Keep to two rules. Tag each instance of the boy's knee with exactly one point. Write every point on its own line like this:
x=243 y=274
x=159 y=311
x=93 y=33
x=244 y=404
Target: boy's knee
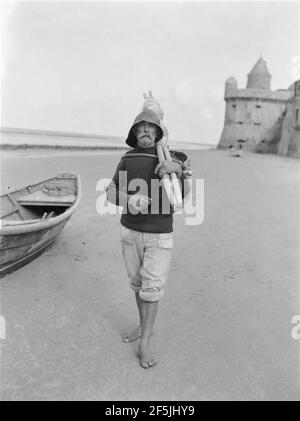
x=151 y=294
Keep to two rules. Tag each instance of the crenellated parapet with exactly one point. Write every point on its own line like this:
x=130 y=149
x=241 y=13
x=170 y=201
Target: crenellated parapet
x=259 y=95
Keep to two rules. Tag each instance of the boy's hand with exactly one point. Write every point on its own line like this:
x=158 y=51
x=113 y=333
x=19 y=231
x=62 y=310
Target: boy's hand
x=139 y=202
x=167 y=167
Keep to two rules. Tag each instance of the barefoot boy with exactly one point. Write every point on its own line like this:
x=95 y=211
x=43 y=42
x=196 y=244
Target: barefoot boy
x=146 y=223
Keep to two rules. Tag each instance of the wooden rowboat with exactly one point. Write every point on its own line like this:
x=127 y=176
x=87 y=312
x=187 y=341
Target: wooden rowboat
x=32 y=217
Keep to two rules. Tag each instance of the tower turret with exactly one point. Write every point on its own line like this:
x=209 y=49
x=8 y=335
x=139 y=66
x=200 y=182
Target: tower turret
x=259 y=77
x=230 y=85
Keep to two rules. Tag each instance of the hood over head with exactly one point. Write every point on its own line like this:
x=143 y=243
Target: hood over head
x=149 y=117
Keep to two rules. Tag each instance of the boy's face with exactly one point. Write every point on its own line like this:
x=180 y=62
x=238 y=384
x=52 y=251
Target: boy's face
x=146 y=134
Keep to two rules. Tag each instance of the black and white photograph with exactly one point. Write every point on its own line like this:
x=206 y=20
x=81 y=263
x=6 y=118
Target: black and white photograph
x=149 y=203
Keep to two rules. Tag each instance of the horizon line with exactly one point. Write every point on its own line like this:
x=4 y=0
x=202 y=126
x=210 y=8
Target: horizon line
x=5 y=129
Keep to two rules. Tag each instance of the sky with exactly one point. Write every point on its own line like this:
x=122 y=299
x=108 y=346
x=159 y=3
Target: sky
x=83 y=66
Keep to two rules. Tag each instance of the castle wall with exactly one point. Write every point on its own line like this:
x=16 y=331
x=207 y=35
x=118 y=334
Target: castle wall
x=249 y=119
x=290 y=137
x=264 y=120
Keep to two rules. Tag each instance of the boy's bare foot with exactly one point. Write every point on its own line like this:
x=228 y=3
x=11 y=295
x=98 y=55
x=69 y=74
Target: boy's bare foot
x=145 y=356
x=133 y=336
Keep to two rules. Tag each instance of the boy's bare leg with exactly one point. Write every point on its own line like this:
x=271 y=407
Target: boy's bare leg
x=136 y=333
x=149 y=313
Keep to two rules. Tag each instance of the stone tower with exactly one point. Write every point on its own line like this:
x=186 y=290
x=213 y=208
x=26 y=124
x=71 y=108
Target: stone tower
x=259 y=77
x=230 y=85
x=254 y=115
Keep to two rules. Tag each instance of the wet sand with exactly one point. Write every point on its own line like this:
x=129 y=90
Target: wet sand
x=223 y=331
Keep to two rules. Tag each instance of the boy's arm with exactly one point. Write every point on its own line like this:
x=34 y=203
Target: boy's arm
x=116 y=191
x=116 y=196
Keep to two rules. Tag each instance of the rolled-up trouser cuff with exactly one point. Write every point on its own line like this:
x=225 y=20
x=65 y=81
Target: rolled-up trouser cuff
x=134 y=287
x=151 y=295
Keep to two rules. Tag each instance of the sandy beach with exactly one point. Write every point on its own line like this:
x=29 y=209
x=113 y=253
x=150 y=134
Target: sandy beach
x=223 y=330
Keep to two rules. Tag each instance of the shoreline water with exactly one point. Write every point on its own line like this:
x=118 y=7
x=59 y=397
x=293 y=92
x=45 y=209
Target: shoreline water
x=26 y=139
x=72 y=147
x=42 y=150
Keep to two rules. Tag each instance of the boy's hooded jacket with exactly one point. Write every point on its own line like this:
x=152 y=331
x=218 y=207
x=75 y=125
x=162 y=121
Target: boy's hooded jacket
x=139 y=164
x=149 y=117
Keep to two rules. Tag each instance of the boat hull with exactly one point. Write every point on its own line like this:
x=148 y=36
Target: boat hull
x=18 y=250
x=23 y=240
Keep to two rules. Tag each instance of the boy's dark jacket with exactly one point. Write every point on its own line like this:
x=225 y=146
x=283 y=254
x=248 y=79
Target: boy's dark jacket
x=160 y=220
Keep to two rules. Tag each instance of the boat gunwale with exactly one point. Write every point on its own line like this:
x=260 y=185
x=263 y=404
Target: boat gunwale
x=31 y=225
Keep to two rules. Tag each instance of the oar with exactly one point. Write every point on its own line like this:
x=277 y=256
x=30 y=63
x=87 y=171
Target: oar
x=166 y=181
x=174 y=179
